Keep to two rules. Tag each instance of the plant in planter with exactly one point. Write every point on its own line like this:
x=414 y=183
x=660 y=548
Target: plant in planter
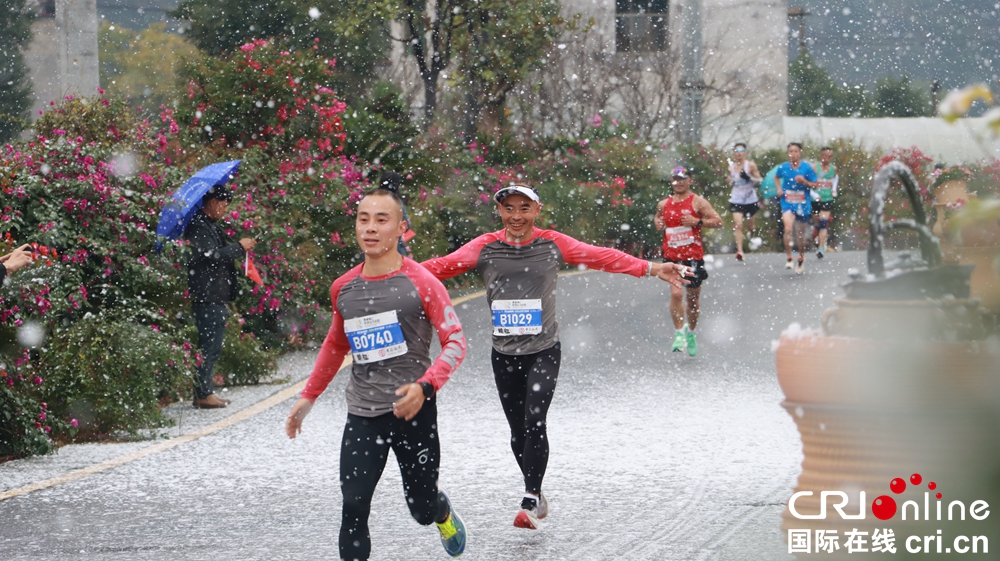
x=975 y=227
x=954 y=173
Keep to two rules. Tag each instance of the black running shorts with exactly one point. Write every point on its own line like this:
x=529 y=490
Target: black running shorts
x=819 y=206
x=699 y=274
x=746 y=210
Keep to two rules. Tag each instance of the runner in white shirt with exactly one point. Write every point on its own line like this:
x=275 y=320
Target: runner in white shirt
x=743 y=201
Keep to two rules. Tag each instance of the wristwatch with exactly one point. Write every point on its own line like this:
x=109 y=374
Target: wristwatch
x=700 y=222
x=428 y=389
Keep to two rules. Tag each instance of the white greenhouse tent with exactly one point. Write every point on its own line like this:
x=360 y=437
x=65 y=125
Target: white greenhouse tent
x=966 y=140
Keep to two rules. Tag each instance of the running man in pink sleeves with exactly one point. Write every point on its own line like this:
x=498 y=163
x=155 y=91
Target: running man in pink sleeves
x=519 y=266
x=385 y=312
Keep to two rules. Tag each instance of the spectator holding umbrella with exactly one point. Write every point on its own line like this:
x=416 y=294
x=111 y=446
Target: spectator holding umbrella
x=212 y=281
x=192 y=212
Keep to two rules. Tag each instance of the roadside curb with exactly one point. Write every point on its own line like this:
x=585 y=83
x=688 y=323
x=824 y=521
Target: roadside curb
x=243 y=414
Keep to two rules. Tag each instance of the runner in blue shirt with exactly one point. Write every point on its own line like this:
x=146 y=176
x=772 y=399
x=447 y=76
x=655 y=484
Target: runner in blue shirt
x=794 y=178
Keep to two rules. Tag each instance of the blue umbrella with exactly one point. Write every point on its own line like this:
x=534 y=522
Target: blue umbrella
x=177 y=213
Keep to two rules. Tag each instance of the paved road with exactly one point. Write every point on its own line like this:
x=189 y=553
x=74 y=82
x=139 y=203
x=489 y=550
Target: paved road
x=654 y=455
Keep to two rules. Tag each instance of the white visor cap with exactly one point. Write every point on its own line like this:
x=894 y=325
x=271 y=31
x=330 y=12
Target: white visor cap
x=502 y=194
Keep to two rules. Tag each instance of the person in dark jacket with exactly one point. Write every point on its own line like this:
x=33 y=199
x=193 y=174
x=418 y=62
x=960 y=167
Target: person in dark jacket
x=212 y=281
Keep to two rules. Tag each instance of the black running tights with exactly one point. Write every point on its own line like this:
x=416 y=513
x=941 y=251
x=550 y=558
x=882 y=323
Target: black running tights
x=363 y=455
x=526 y=384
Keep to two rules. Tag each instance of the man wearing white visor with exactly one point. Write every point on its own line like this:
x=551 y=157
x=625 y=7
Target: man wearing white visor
x=519 y=266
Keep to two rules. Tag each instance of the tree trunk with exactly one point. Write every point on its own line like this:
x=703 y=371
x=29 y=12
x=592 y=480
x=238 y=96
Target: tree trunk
x=430 y=98
x=472 y=112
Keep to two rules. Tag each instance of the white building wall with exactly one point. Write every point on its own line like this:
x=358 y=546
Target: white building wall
x=745 y=53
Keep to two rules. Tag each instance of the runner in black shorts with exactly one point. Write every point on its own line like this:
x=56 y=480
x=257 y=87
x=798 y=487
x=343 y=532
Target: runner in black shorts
x=743 y=201
x=823 y=195
x=681 y=216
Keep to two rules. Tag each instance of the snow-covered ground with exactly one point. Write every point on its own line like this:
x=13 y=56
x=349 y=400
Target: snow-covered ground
x=654 y=455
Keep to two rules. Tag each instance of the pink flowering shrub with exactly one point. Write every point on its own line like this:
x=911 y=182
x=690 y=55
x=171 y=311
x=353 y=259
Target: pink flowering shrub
x=264 y=96
x=90 y=186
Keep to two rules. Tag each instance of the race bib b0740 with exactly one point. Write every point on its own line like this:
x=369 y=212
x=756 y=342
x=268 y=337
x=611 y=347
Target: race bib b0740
x=517 y=317
x=376 y=337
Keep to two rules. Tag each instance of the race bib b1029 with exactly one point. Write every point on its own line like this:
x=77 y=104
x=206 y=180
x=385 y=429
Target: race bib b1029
x=375 y=337
x=517 y=317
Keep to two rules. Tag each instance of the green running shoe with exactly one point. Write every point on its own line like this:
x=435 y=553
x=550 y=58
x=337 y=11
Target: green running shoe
x=452 y=531
x=680 y=342
x=692 y=345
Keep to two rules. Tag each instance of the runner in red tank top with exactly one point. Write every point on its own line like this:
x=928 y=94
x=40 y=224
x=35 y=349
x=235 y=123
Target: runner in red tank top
x=681 y=216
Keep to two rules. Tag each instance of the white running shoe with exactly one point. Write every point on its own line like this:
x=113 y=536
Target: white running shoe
x=789 y=264
x=543 y=506
x=800 y=267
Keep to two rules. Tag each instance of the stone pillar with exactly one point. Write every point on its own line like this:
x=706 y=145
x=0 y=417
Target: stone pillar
x=62 y=56
x=76 y=21
x=692 y=72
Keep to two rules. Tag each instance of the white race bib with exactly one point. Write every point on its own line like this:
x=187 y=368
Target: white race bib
x=517 y=317
x=679 y=236
x=376 y=337
x=795 y=197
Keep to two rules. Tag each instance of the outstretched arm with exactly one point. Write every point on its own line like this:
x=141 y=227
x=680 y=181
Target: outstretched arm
x=673 y=273
x=458 y=261
x=576 y=252
x=607 y=259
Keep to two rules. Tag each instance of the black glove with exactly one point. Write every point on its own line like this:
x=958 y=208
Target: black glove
x=744 y=175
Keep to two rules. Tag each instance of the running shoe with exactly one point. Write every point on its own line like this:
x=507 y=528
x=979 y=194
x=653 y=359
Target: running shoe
x=739 y=256
x=528 y=517
x=543 y=506
x=680 y=342
x=788 y=264
x=692 y=345
x=819 y=254
x=452 y=531
x=801 y=266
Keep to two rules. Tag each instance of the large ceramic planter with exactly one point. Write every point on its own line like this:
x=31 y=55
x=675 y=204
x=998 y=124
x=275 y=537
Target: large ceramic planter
x=902 y=380
x=869 y=411
x=985 y=280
